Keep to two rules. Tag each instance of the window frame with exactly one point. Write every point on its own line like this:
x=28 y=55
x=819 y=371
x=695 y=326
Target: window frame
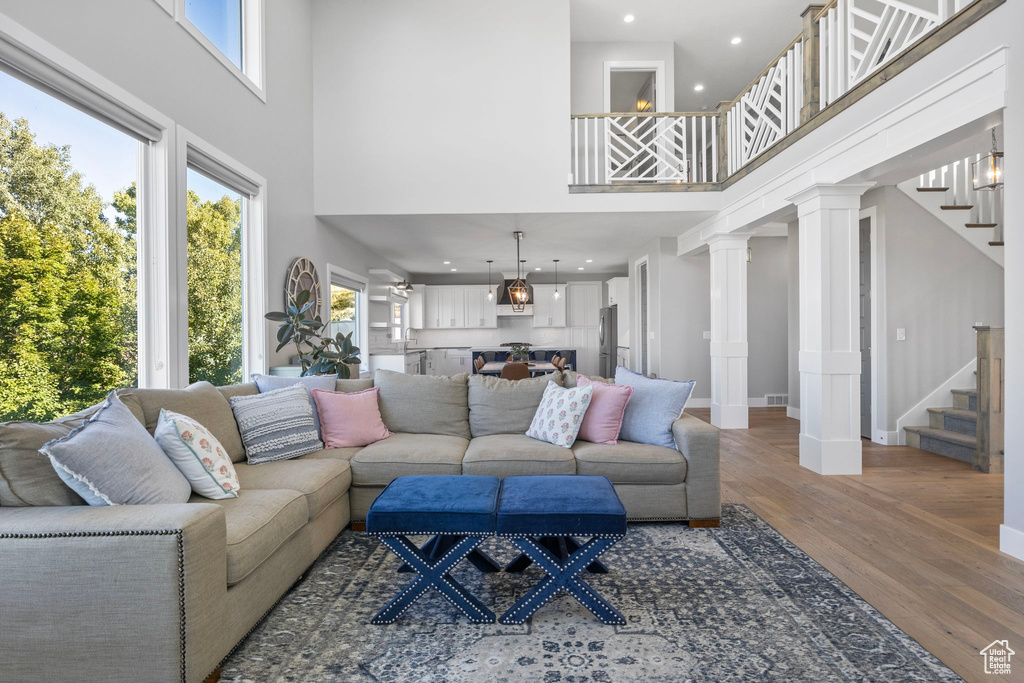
x=253 y=40
x=362 y=308
x=193 y=151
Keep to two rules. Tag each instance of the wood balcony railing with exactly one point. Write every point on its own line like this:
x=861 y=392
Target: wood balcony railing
x=847 y=48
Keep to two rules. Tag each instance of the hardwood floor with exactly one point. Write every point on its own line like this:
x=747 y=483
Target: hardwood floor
x=916 y=535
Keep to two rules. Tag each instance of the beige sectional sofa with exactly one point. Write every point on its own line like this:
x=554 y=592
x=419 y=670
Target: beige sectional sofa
x=164 y=592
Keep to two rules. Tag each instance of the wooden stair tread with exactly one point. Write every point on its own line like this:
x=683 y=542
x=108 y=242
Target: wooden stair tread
x=997 y=244
x=945 y=435
x=959 y=413
x=933 y=189
x=966 y=392
x=981 y=225
x=956 y=207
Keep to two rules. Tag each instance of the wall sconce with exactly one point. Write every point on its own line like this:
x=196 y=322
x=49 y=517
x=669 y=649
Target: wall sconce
x=987 y=172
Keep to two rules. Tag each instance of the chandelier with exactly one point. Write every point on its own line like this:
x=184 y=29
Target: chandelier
x=518 y=292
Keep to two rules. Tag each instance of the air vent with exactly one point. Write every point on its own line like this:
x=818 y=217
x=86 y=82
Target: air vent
x=775 y=400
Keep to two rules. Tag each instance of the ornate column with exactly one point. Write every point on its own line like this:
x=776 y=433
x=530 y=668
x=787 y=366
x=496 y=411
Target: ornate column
x=829 y=218
x=729 y=331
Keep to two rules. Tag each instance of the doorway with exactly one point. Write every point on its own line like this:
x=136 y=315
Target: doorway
x=642 y=316
x=635 y=87
x=865 y=328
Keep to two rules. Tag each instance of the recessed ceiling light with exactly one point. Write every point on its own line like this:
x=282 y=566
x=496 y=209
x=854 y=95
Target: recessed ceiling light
x=590 y=260
x=628 y=18
x=537 y=268
x=455 y=270
x=447 y=263
x=698 y=87
x=580 y=268
x=736 y=41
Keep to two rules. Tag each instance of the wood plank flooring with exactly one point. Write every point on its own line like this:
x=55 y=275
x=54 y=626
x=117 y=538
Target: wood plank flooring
x=916 y=535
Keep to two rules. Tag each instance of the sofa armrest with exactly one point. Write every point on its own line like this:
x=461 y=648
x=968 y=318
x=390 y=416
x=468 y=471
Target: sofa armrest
x=127 y=592
x=698 y=442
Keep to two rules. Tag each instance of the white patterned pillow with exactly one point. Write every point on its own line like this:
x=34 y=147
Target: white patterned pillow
x=560 y=414
x=197 y=454
x=276 y=425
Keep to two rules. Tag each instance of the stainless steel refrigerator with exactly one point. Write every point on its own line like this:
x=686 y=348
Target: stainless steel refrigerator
x=607 y=341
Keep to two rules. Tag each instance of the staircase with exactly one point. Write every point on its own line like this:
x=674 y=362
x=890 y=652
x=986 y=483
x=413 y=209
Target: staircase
x=953 y=431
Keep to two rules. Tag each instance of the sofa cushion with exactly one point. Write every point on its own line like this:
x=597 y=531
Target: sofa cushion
x=267 y=383
x=630 y=463
x=200 y=401
x=560 y=414
x=401 y=454
x=502 y=406
x=603 y=420
x=321 y=481
x=26 y=475
x=258 y=523
x=345 y=454
x=197 y=454
x=571 y=377
x=112 y=460
x=349 y=419
x=423 y=404
x=232 y=390
x=507 y=455
x=655 y=405
x=350 y=386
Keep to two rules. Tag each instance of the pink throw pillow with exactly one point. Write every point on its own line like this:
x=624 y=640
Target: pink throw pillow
x=603 y=419
x=348 y=420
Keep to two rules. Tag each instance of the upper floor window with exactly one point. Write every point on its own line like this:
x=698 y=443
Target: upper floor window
x=221 y=22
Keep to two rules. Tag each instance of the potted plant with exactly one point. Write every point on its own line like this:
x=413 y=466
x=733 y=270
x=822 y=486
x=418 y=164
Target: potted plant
x=519 y=353
x=318 y=354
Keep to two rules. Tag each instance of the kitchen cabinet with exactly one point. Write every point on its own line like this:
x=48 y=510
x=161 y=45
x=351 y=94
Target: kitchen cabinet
x=583 y=302
x=547 y=311
x=431 y=308
x=453 y=307
x=480 y=313
x=618 y=296
x=417 y=315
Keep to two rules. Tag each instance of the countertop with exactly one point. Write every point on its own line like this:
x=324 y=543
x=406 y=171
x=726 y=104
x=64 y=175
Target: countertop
x=532 y=348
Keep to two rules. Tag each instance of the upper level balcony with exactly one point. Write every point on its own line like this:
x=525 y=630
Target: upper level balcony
x=847 y=49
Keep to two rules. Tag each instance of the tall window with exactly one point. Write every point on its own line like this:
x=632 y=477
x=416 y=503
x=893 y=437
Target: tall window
x=68 y=271
x=221 y=22
x=344 y=310
x=215 y=216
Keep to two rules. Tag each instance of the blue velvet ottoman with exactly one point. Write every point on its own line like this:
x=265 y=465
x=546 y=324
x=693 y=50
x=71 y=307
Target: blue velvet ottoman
x=458 y=511
x=541 y=515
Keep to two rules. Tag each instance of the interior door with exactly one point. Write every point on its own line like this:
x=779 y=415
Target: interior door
x=643 y=318
x=865 y=328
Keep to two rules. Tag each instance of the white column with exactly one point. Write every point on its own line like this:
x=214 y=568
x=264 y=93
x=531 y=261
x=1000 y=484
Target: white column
x=830 y=328
x=729 y=331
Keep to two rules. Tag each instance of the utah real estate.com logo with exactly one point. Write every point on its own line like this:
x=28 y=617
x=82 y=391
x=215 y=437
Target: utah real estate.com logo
x=997 y=657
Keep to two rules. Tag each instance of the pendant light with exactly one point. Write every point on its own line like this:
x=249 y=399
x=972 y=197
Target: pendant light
x=490 y=292
x=557 y=295
x=518 y=292
x=987 y=172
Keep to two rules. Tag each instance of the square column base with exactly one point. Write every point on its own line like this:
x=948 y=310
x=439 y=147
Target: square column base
x=830 y=457
x=729 y=417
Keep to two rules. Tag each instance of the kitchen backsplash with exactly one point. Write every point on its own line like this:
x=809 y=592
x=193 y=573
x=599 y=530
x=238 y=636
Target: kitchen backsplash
x=380 y=342
x=508 y=330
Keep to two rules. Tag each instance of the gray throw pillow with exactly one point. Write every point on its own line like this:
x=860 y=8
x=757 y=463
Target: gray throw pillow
x=112 y=460
x=424 y=404
x=267 y=383
x=276 y=425
x=502 y=406
x=655 y=405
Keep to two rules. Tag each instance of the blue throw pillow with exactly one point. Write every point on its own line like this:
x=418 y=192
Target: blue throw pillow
x=655 y=405
x=267 y=383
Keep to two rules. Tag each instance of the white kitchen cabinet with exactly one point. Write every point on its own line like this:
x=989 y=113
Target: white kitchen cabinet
x=453 y=307
x=417 y=316
x=547 y=311
x=480 y=313
x=583 y=302
x=432 y=308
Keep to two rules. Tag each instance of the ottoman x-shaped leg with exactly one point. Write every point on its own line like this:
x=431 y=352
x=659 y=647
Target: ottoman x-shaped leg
x=563 y=576
x=439 y=545
x=433 y=573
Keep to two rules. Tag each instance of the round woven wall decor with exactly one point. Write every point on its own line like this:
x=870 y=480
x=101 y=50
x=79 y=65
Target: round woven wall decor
x=303 y=275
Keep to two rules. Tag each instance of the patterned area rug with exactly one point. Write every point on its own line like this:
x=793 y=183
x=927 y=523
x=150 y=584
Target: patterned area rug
x=740 y=603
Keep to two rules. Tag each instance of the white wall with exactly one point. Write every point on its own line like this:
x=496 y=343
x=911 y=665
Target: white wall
x=138 y=46
x=937 y=287
x=793 y=357
x=1012 y=536
x=587 y=70
x=767 y=317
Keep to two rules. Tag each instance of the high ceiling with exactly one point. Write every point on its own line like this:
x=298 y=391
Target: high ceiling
x=701 y=32
x=421 y=244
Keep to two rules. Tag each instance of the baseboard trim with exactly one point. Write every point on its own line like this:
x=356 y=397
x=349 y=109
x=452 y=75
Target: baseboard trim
x=698 y=403
x=1011 y=541
x=792 y=413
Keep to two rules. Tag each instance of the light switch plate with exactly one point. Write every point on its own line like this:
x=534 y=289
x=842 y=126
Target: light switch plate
x=901 y=334
x=707 y=334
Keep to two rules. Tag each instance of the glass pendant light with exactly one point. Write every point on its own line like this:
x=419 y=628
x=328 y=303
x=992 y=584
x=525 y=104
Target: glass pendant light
x=518 y=292
x=987 y=172
x=557 y=295
x=490 y=292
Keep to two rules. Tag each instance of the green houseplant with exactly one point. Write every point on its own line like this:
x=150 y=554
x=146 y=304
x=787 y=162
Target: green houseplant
x=520 y=352
x=318 y=354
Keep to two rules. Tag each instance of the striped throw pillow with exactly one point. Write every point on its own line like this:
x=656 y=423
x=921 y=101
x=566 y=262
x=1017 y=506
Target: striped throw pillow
x=276 y=425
